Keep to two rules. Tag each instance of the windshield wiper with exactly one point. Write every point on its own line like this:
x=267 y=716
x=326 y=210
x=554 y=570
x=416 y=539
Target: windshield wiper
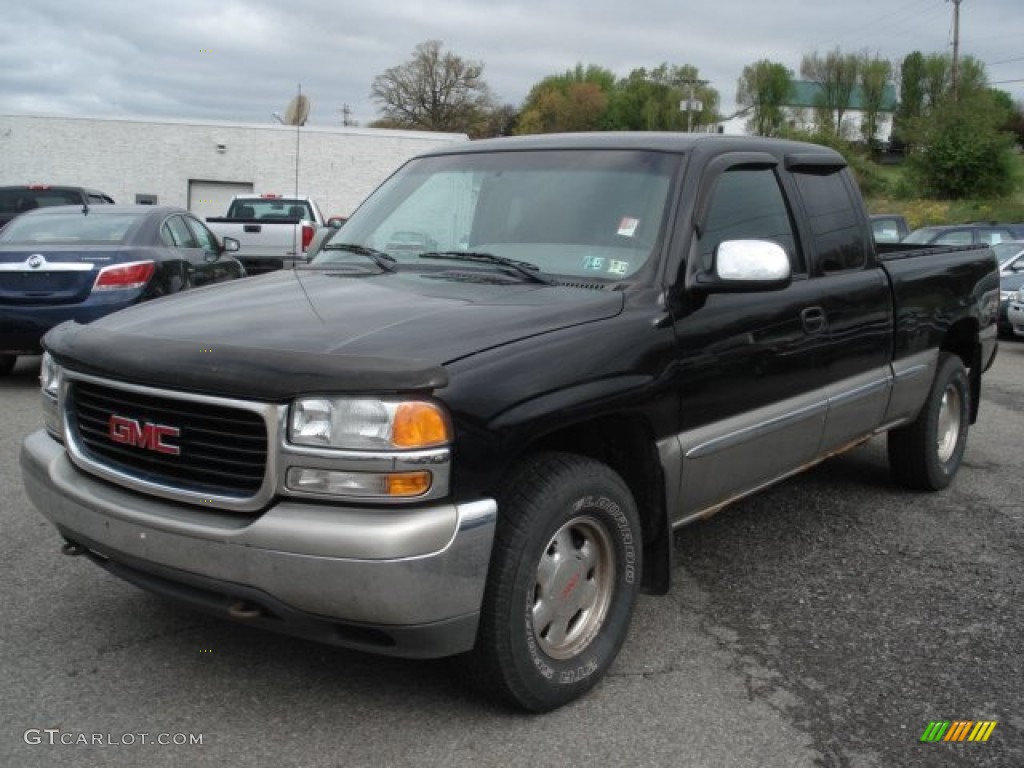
x=524 y=268
x=381 y=259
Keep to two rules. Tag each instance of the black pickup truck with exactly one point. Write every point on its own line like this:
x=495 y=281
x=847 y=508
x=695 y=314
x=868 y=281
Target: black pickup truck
x=473 y=421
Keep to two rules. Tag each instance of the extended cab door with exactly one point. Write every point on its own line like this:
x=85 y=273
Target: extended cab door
x=855 y=297
x=751 y=365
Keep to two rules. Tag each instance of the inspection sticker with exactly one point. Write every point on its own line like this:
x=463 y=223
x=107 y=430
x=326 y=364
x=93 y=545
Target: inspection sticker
x=628 y=225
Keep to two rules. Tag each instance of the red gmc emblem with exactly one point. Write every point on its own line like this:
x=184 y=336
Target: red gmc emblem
x=147 y=436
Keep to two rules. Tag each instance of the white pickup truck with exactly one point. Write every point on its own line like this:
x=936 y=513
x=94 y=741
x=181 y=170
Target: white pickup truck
x=274 y=231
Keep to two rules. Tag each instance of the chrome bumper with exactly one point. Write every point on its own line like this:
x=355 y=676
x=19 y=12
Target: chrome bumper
x=413 y=576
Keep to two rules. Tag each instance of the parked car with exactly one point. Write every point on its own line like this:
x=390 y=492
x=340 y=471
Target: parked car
x=961 y=234
x=19 y=199
x=1010 y=282
x=1009 y=254
x=69 y=263
x=1015 y=312
x=889 y=227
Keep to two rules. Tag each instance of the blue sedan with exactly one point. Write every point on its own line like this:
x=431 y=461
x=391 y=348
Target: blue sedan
x=84 y=262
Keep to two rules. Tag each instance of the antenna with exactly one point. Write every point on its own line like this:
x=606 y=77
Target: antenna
x=296 y=114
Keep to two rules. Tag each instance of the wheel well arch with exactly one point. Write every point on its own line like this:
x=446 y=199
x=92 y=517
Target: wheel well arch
x=962 y=340
x=626 y=444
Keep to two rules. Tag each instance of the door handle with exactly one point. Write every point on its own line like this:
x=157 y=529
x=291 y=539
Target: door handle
x=814 y=320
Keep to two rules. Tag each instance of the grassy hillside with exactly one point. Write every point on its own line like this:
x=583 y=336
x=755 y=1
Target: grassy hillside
x=922 y=213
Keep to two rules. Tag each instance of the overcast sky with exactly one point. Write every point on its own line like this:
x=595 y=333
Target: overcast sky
x=242 y=61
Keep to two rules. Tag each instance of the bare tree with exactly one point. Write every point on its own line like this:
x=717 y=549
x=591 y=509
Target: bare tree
x=433 y=91
x=835 y=74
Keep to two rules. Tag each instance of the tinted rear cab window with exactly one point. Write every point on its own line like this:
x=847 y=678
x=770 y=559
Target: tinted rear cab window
x=15 y=201
x=836 y=227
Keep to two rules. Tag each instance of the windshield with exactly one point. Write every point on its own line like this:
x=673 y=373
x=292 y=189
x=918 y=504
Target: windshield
x=71 y=227
x=585 y=214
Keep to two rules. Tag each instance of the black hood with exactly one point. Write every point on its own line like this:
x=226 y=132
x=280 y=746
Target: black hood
x=289 y=332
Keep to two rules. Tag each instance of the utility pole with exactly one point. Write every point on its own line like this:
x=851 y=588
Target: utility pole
x=956 y=49
x=691 y=105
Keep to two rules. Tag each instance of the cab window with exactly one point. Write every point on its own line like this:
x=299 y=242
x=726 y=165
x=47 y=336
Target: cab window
x=748 y=204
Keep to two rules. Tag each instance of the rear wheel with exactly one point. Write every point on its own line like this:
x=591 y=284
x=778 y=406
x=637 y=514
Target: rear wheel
x=926 y=454
x=7 y=364
x=562 y=584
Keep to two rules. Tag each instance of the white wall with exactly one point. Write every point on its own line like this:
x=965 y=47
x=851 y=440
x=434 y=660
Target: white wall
x=122 y=157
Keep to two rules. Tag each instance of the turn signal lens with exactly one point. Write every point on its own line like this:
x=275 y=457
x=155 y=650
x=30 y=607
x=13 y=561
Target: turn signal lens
x=419 y=425
x=408 y=484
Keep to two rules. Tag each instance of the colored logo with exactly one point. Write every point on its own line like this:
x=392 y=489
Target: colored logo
x=147 y=436
x=958 y=730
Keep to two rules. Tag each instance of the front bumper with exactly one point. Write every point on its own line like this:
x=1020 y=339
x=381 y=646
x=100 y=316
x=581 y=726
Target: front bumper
x=405 y=582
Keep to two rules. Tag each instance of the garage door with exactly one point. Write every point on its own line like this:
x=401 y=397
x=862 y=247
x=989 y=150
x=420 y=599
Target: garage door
x=212 y=198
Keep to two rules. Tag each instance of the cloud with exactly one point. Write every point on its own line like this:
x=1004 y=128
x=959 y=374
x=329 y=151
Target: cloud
x=244 y=60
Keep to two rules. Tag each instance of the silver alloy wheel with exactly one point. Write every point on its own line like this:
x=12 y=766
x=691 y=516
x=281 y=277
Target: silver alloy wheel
x=948 y=427
x=575 y=581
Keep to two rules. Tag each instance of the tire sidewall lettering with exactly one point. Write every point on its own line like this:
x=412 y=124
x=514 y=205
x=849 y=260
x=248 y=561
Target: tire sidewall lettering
x=576 y=670
x=622 y=528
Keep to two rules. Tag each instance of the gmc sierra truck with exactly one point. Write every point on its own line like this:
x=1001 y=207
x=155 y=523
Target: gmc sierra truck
x=273 y=231
x=472 y=423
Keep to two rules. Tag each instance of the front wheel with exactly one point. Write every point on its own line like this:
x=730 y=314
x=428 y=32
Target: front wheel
x=563 y=581
x=7 y=364
x=926 y=454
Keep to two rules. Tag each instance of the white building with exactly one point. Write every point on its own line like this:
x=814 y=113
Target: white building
x=200 y=165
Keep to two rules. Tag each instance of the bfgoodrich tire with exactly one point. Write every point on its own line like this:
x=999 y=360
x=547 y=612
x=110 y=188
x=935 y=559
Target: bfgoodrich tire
x=926 y=454
x=563 y=581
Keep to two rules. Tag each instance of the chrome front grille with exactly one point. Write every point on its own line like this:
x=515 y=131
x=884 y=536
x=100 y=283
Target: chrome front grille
x=193 y=448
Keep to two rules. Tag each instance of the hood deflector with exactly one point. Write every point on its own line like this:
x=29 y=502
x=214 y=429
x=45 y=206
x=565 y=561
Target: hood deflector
x=253 y=372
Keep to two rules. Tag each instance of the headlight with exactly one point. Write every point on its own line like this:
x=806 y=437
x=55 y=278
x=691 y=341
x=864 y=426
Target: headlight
x=50 y=375
x=368 y=423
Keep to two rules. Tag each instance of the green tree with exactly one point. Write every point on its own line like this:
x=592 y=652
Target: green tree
x=963 y=151
x=874 y=75
x=764 y=88
x=912 y=97
x=835 y=74
x=570 y=102
x=434 y=91
x=655 y=100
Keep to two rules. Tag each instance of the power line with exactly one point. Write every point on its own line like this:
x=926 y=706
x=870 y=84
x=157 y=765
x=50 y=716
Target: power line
x=1004 y=61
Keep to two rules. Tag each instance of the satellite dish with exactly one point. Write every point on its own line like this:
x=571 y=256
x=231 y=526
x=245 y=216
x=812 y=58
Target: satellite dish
x=297 y=111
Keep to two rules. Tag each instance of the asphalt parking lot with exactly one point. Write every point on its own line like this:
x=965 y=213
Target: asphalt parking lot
x=825 y=622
